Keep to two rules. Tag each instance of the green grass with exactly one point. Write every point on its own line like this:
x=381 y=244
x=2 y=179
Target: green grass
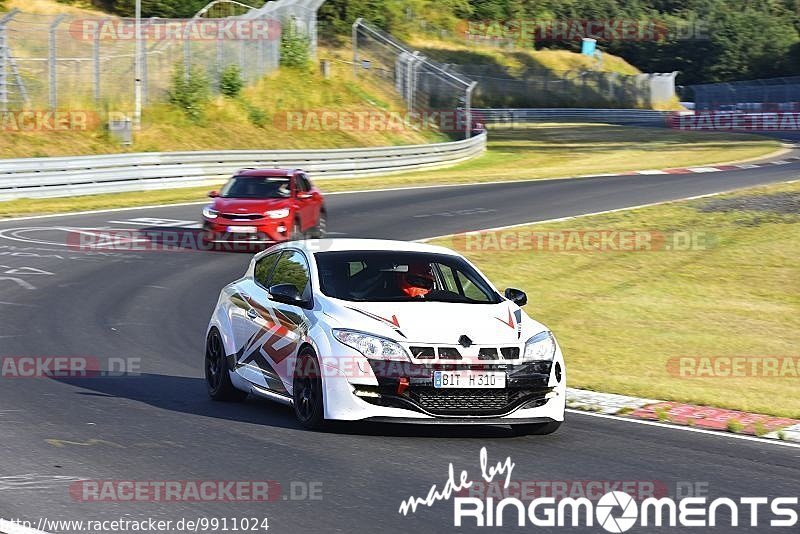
x=544 y=151
x=518 y=61
x=620 y=317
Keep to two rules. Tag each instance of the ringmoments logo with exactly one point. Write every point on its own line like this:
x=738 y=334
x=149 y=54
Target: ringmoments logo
x=615 y=511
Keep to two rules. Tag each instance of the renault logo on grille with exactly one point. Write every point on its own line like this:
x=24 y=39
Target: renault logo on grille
x=464 y=341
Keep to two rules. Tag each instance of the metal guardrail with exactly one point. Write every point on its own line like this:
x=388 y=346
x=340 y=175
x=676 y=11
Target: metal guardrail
x=630 y=117
x=86 y=175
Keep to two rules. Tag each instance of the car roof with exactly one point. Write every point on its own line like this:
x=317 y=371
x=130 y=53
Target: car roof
x=263 y=173
x=314 y=246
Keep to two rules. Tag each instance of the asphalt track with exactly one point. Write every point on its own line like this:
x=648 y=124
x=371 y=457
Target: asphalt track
x=154 y=306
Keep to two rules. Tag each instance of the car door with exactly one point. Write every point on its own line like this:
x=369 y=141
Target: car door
x=249 y=326
x=308 y=202
x=281 y=328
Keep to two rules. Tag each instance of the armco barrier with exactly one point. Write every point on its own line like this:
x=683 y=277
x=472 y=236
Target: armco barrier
x=85 y=175
x=630 y=117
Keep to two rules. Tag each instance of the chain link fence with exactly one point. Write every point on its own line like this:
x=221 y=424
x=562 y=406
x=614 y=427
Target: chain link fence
x=771 y=94
x=58 y=61
x=430 y=90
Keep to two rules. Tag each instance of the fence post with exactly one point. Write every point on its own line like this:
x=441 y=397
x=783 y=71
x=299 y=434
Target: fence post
x=468 y=109
x=96 y=61
x=51 y=62
x=410 y=86
x=5 y=58
x=187 y=49
x=355 y=45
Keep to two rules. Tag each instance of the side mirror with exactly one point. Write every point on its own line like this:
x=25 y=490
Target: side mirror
x=304 y=195
x=287 y=294
x=213 y=194
x=517 y=296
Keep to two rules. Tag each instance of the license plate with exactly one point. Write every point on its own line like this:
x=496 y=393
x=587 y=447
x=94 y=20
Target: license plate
x=469 y=380
x=242 y=229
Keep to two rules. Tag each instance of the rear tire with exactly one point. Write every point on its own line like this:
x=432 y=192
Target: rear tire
x=307 y=391
x=218 y=379
x=536 y=429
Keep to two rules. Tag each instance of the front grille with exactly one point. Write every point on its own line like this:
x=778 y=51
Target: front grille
x=487 y=353
x=241 y=216
x=423 y=353
x=449 y=353
x=510 y=353
x=455 y=401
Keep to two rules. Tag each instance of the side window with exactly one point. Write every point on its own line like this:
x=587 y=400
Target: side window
x=448 y=278
x=306 y=183
x=301 y=184
x=264 y=267
x=471 y=290
x=292 y=269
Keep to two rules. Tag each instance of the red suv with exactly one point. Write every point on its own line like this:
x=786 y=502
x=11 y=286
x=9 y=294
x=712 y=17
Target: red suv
x=265 y=206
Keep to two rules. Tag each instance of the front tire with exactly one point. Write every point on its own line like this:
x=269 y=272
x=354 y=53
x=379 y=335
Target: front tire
x=307 y=391
x=297 y=231
x=322 y=226
x=218 y=379
x=536 y=429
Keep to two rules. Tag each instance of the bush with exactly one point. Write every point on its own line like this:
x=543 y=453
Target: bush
x=294 y=46
x=189 y=93
x=257 y=116
x=230 y=81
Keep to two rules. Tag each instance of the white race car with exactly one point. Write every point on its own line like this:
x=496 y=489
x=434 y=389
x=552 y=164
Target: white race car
x=372 y=330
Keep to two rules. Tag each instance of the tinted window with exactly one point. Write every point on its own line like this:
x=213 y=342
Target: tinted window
x=292 y=269
x=303 y=184
x=380 y=276
x=256 y=187
x=263 y=269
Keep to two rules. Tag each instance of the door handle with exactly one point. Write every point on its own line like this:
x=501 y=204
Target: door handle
x=252 y=313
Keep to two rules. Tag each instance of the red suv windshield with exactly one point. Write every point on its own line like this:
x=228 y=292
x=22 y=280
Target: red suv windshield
x=257 y=187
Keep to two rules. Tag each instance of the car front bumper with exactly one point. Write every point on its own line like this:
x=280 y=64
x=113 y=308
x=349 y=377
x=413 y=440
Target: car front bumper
x=533 y=394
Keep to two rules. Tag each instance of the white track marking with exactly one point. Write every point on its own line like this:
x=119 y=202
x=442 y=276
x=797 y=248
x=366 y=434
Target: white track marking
x=717 y=433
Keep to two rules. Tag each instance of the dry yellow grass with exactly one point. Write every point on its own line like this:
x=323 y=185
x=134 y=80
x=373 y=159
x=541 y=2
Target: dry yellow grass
x=622 y=317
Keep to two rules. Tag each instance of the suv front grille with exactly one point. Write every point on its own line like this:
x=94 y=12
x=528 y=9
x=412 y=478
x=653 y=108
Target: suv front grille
x=241 y=216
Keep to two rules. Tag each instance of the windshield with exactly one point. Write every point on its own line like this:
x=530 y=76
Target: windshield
x=388 y=276
x=257 y=187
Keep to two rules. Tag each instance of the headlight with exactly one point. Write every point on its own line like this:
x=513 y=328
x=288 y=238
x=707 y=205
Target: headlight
x=541 y=347
x=372 y=346
x=210 y=213
x=278 y=214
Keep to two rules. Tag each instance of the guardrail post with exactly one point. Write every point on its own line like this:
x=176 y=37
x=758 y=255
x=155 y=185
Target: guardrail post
x=51 y=61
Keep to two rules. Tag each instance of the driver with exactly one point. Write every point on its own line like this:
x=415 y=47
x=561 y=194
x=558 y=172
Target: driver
x=417 y=281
